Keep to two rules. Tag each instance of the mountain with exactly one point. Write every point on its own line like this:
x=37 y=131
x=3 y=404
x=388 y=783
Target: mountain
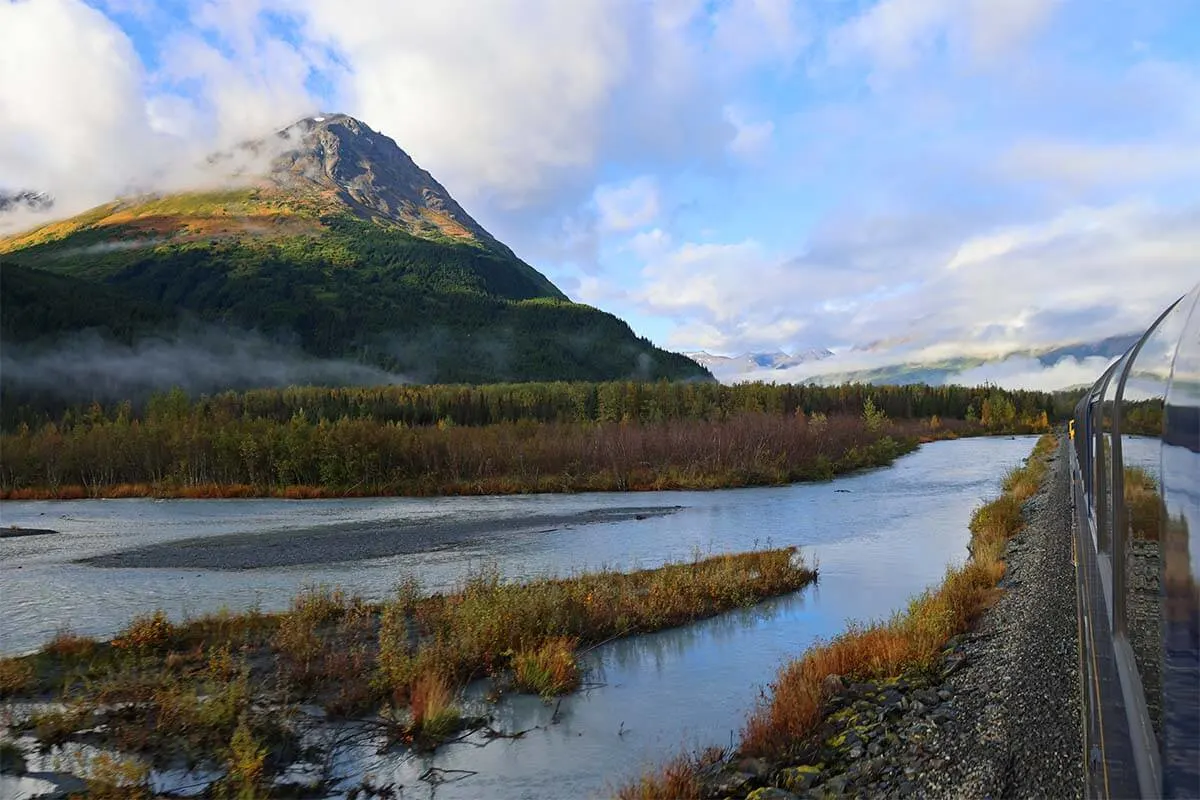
x=770 y=366
x=730 y=368
x=1112 y=347
x=25 y=200
x=325 y=237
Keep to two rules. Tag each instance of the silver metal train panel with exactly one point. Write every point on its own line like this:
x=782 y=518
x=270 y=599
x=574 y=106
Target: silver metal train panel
x=1135 y=471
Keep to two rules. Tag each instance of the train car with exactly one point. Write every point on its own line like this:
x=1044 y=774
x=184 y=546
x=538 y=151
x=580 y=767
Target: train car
x=1135 y=460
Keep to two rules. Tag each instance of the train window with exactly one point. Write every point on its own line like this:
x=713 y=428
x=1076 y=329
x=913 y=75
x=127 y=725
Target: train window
x=1137 y=511
x=1180 y=536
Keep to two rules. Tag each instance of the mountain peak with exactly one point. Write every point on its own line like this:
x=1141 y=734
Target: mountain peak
x=334 y=158
x=25 y=199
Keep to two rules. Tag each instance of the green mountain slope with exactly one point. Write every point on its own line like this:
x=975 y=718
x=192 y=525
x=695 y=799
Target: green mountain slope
x=338 y=243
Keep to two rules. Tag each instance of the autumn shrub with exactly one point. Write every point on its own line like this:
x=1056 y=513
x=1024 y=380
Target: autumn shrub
x=145 y=633
x=112 y=777
x=245 y=763
x=69 y=646
x=302 y=633
x=16 y=676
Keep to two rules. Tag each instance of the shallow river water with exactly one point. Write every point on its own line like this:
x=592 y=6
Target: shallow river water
x=879 y=537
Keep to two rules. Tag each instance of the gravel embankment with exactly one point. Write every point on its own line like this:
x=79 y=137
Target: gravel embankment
x=1017 y=699
x=1000 y=719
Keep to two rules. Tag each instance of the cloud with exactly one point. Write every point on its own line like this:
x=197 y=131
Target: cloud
x=627 y=206
x=199 y=359
x=1087 y=273
x=1086 y=165
x=756 y=32
x=750 y=139
x=894 y=35
x=1021 y=372
x=71 y=97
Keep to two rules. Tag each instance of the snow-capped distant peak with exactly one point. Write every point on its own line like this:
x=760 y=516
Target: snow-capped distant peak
x=726 y=368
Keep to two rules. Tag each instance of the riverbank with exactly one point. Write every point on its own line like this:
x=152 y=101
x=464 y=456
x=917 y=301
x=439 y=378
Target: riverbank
x=224 y=691
x=859 y=715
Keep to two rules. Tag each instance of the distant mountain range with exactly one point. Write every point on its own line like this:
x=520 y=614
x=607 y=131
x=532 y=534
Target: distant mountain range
x=760 y=366
x=325 y=237
x=728 y=367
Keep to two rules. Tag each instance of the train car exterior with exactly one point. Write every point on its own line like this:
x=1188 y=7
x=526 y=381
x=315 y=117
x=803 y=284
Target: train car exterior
x=1135 y=466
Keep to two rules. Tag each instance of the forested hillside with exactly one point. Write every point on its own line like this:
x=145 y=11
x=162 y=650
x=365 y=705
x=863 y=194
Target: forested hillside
x=342 y=248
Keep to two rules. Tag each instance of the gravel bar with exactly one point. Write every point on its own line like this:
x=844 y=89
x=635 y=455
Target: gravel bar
x=353 y=541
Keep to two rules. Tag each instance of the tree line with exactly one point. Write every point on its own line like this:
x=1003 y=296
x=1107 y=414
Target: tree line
x=577 y=402
x=492 y=439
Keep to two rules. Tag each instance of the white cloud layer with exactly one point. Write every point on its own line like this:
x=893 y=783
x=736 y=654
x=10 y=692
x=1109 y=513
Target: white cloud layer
x=895 y=34
x=1087 y=273
x=955 y=188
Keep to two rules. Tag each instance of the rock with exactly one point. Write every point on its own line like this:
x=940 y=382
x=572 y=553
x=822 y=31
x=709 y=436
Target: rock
x=799 y=779
x=42 y=786
x=856 y=753
x=834 y=786
x=760 y=768
x=927 y=697
x=832 y=684
x=874 y=748
x=728 y=783
x=945 y=694
x=12 y=760
x=771 y=793
x=941 y=715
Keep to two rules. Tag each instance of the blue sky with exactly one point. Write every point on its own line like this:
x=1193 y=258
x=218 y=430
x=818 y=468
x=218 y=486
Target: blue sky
x=893 y=179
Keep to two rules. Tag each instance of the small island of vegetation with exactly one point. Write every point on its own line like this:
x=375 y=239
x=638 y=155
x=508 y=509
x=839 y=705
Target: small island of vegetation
x=227 y=690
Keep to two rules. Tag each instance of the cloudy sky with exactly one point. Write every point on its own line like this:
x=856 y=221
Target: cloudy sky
x=912 y=178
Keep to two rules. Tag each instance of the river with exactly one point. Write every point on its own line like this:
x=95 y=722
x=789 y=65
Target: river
x=879 y=537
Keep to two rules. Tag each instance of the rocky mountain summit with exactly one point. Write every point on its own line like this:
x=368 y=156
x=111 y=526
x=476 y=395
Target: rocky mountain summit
x=342 y=158
x=25 y=199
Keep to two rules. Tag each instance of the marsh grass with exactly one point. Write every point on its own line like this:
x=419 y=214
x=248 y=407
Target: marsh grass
x=910 y=642
x=678 y=779
x=549 y=669
x=16 y=676
x=68 y=645
x=433 y=712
